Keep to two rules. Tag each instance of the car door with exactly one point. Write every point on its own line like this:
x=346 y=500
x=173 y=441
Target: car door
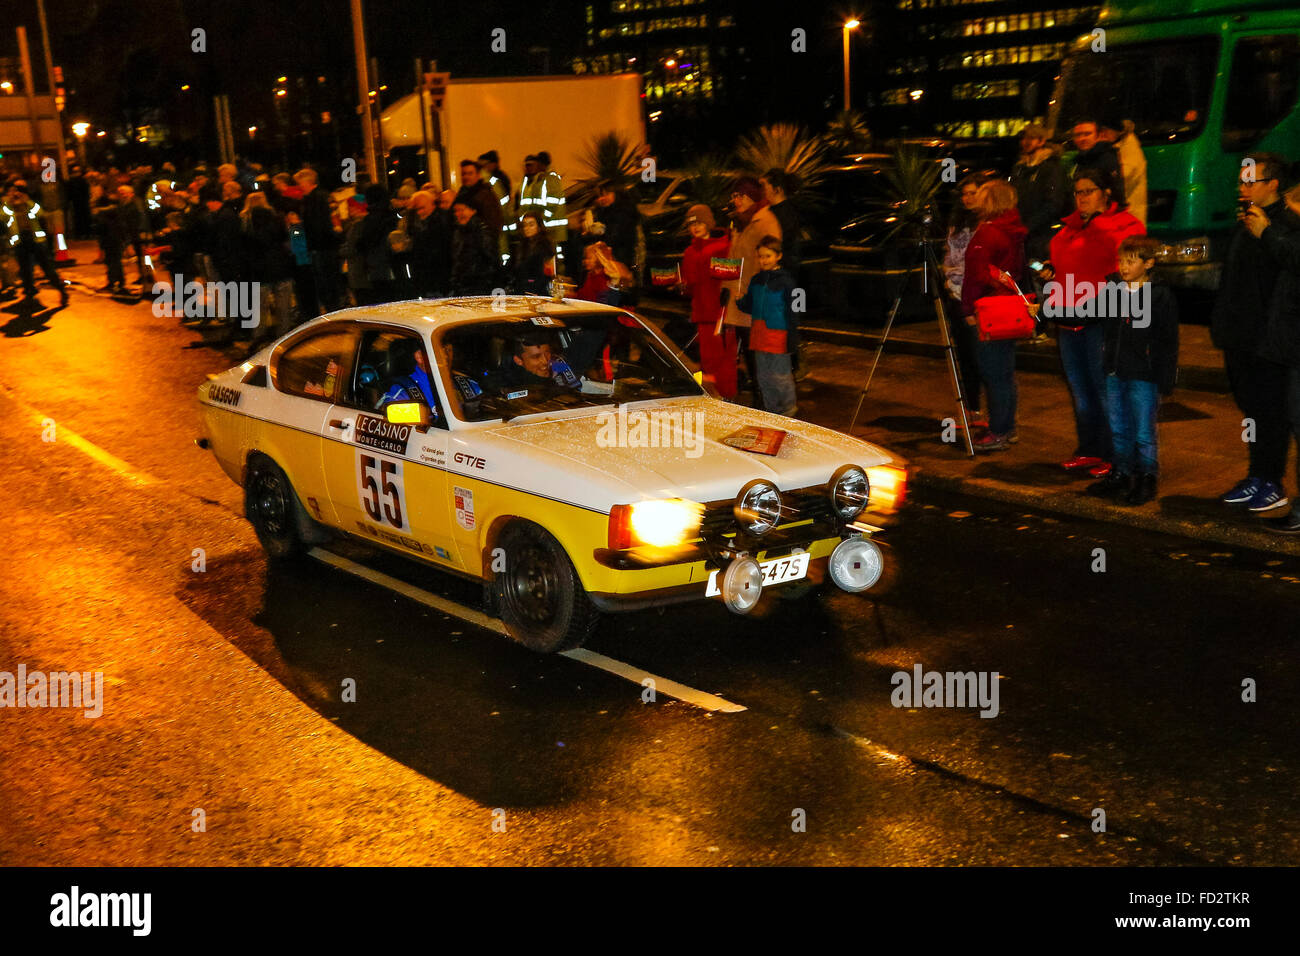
x=307 y=374
x=388 y=482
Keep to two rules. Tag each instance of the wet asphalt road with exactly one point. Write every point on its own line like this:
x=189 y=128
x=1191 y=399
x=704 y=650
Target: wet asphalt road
x=1119 y=690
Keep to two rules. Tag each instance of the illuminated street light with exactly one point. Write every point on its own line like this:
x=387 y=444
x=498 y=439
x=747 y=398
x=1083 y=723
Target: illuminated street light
x=850 y=24
x=916 y=95
x=79 y=130
x=282 y=79
x=281 y=92
x=7 y=86
x=185 y=88
x=252 y=131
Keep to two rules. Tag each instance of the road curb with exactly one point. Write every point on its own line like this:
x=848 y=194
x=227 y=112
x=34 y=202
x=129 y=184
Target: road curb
x=1079 y=505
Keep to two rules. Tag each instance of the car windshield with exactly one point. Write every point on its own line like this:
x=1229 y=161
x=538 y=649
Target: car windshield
x=1164 y=88
x=500 y=369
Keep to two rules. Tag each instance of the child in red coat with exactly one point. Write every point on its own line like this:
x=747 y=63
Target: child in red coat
x=717 y=351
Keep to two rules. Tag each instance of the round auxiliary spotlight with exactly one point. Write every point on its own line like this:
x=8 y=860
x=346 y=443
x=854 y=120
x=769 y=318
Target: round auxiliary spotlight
x=856 y=564
x=742 y=583
x=758 y=507
x=849 y=491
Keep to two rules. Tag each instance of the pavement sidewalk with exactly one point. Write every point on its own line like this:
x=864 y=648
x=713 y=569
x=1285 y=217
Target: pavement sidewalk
x=1201 y=449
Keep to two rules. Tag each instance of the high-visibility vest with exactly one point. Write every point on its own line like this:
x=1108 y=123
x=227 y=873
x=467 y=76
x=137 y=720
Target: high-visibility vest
x=552 y=201
x=13 y=227
x=545 y=194
x=503 y=198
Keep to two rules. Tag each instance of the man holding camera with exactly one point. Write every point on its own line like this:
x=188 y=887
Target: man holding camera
x=1237 y=326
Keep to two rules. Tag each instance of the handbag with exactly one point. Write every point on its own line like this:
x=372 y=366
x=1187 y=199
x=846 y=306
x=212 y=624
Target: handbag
x=1002 y=317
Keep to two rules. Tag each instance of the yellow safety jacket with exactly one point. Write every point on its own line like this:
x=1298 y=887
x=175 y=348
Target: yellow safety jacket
x=14 y=227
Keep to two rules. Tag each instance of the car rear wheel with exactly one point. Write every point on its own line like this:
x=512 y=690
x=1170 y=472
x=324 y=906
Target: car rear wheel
x=540 y=597
x=272 y=507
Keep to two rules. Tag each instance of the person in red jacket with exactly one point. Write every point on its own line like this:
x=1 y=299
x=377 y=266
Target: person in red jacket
x=717 y=352
x=996 y=248
x=1084 y=252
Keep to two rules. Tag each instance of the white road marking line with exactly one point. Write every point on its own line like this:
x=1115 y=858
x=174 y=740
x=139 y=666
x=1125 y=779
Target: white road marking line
x=62 y=433
x=688 y=695
x=409 y=590
x=66 y=434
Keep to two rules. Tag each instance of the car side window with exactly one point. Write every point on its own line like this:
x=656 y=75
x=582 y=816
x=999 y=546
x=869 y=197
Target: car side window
x=393 y=365
x=315 y=367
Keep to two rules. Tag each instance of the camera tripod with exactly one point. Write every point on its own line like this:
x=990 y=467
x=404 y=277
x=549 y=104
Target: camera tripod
x=925 y=256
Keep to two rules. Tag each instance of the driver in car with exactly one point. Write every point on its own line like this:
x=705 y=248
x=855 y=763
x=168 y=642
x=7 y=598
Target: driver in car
x=410 y=382
x=536 y=363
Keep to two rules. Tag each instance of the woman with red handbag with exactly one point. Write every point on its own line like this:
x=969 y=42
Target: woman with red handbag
x=997 y=248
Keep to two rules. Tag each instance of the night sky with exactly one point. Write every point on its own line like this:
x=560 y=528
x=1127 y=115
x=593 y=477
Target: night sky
x=125 y=61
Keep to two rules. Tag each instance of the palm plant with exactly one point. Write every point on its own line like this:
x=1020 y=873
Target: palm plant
x=784 y=146
x=610 y=157
x=791 y=148
x=847 y=133
x=711 y=178
x=908 y=205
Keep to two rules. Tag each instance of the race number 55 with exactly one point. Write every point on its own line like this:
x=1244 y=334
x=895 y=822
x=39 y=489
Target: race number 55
x=381 y=490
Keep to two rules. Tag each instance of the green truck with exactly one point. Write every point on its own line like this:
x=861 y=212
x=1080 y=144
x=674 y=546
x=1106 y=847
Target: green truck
x=1205 y=82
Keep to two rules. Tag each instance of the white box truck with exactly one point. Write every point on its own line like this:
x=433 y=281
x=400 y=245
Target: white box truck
x=517 y=116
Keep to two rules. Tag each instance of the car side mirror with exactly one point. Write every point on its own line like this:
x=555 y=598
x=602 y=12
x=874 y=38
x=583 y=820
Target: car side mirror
x=407 y=413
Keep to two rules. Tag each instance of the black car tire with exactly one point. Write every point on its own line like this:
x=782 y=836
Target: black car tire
x=272 y=507
x=539 y=595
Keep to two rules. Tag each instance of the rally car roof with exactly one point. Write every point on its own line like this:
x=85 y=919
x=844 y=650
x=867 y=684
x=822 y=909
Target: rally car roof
x=427 y=313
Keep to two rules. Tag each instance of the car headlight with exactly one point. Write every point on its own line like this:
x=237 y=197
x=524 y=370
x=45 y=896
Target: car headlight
x=1185 y=251
x=660 y=524
x=758 y=507
x=888 y=485
x=849 y=491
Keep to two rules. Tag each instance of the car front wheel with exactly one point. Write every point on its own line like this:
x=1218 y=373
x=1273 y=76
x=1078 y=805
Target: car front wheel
x=539 y=595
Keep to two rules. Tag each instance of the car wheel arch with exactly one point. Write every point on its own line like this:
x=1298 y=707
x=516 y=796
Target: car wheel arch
x=498 y=525
x=309 y=530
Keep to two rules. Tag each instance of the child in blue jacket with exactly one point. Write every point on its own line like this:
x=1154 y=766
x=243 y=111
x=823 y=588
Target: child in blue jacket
x=768 y=301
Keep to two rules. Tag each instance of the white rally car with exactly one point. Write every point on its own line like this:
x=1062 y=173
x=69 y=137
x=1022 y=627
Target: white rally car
x=559 y=451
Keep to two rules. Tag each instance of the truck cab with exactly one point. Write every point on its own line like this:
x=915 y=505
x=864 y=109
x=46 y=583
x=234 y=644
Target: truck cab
x=1205 y=82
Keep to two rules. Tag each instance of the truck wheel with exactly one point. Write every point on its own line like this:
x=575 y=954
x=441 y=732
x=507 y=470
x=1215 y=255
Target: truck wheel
x=272 y=507
x=541 y=598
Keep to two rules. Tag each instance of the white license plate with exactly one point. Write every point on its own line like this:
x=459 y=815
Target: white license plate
x=776 y=571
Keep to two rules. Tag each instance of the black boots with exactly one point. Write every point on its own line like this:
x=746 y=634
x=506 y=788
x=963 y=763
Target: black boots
x=1142 y=490
x=1114 y=485
x=1125 y=489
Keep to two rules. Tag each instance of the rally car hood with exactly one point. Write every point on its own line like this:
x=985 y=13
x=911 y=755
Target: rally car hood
x=606 y=452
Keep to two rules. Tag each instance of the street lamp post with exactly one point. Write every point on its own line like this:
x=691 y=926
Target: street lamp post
x=79 y=130
x=848 y=25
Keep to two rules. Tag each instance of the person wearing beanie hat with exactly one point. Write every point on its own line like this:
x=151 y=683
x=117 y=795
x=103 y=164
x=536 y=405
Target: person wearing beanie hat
x=751 y=221
x=717 y=351
x=700 y=213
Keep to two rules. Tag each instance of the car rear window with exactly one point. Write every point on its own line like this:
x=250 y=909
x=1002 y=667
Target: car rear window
x=317 y=366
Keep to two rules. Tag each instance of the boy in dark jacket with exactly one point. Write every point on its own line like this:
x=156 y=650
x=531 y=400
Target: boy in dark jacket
x=1282 y=330
x=1140 y=356
x=768 y=303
